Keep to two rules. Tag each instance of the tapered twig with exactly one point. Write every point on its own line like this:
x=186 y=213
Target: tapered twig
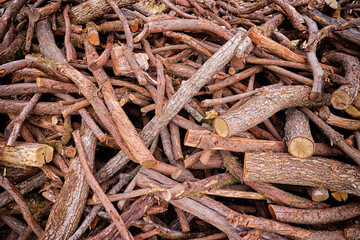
x=21 y=118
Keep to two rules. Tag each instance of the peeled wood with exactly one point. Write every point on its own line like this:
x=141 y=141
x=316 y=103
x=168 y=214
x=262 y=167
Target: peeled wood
x=26 y=154
x=298 y=136
x=315 y=216
x=314 y=171
x=207 y=140
x=260 y=107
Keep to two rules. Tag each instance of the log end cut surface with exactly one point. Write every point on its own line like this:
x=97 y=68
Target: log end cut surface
x=340 y=99
x=45 y=152
x=301 y=147
x=221 y=127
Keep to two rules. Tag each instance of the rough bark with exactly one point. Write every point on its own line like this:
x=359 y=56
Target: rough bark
x=314 y=171
x=331 y=119
x=315 y=216
x=260 y=107
x=66 y=213
x=92 y=9
x=47 y=43
x=345 y=95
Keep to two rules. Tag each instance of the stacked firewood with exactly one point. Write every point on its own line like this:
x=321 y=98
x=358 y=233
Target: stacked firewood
x=184 y=119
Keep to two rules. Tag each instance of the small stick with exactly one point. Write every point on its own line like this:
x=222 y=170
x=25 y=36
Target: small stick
x=315 y=216
x=56 y=85
x=282 y=63
x=273 y=47
x=234 y=194
x=190 y=41
x=124 y=178
x=70 y=51
x=13 y=66
x=119 y=223
x=268 y=190
x=326 y=31
x=218 y=101
x=102 y=59
x=21 y=118
x=166 y=144
x=127 y=195
x=9 y=15
x=207 y=140
x=318 y=73
x=205 y=156
x=215 y=236
x=33 y=17
x=347 y=93
x=281 y=228
x=25 y=210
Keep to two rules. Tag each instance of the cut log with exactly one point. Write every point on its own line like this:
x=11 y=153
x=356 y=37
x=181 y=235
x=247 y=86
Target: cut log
x=298 y=137
x=26 y=154
x=314 y=171
x=262 y=106
x=318 y=194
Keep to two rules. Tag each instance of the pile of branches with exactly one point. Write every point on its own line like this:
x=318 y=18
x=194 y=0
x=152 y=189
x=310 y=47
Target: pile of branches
x=185 y=119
